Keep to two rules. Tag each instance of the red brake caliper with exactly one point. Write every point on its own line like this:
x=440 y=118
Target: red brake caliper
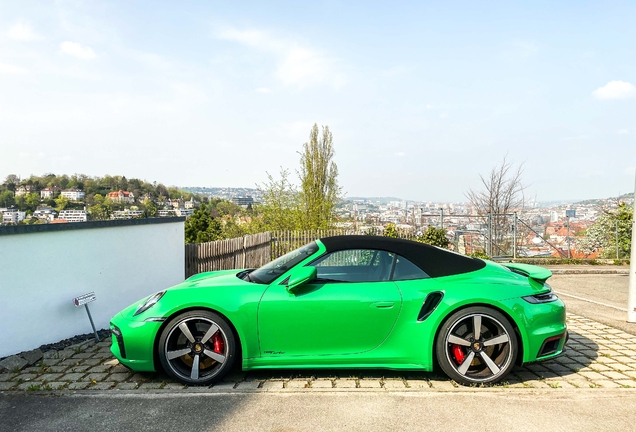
x=217 y=340
x=458 y=353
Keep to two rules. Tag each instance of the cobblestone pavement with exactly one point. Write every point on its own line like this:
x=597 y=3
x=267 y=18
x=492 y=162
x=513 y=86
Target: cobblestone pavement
x=597 y=356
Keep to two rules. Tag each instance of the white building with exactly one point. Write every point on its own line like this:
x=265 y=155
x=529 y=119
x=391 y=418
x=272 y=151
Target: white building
x=126 y=214
x=73 y=194
x=44 y=213
x=12 y=216
x=49 y=192
x=73 y=215
x=23 y=190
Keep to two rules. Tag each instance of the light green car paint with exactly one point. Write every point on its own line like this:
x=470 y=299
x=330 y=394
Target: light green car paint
x=344 y=325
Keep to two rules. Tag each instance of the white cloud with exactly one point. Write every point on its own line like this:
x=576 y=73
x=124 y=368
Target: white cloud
x=10 y=69
x=615 y=90
x=429 y=106
x=263 y=90
x=76 y=50
x=297 y=65
x=443 y=115
x=23 y=32
x=622 y=132
x=400 y=154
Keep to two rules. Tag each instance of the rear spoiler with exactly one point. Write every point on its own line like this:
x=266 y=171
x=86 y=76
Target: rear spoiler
x=540 y=274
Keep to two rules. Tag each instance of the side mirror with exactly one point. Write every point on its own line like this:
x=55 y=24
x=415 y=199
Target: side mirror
x=300 y=277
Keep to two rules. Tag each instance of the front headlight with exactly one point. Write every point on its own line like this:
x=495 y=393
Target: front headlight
x=150 y=302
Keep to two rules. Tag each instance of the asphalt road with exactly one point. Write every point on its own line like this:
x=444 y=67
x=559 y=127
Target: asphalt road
x=506 y=409
x=602 y=298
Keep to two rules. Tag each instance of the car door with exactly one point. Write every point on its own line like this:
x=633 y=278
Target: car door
x=350 y=308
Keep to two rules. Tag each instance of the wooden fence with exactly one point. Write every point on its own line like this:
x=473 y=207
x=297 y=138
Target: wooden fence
x=253 y=251
x=250 y=251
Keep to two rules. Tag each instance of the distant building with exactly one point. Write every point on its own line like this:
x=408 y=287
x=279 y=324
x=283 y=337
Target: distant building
x=166 y=213
x=50 y=192
x=190 y=204
x=24 y=189
x=243 y=201
x=126 y=214
x=73 y=215
x=122 y=196
x=73 y=194
x=12 y=216
x=44 y=213
x=183 y=212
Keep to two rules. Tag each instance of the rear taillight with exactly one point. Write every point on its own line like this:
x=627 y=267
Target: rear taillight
x=541 y=298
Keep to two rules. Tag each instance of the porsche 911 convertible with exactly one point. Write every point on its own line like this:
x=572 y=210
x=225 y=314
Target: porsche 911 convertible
x=349 y=302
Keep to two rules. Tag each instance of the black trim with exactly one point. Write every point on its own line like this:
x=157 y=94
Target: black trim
x=120 y=340
x=39 y=228
x=434 y=261
x=430 y=304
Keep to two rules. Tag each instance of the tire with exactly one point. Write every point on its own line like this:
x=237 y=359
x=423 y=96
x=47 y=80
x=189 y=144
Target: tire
x=484 y=359
x=197 y=347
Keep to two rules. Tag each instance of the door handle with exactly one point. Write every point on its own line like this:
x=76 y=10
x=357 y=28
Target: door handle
x=383 y=304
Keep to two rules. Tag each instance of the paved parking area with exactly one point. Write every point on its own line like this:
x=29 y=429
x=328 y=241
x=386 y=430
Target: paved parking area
x=597 y=356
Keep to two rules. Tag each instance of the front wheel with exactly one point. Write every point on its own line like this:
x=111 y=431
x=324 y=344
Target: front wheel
x=476 y=345
x=197 y=347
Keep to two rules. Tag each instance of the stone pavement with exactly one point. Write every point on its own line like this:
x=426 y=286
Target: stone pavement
x=597 y=356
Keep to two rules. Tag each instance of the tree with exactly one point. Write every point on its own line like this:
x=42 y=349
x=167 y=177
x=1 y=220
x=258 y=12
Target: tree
x=319 y=190
x=502 y=193
x=60 y=203
x=434 y=236
x=7 y=198
x=602 y=235
x=280 y=209
x=201 y=227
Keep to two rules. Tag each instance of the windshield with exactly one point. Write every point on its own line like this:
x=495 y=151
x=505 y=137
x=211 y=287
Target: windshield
x=270 y=271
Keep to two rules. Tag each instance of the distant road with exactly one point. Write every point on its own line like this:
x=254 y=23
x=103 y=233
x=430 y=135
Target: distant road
x=601 y=297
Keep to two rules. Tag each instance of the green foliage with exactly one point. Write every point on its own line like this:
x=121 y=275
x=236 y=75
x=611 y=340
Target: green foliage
x=602 y=235
x=7 y=198
x=60 y=203
x=390 y=231
x=319 y=190
x=280 y=209
x=479 y=254
x=434 y=236
x=201 y=227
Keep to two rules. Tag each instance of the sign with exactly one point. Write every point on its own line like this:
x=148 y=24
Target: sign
x=570 y=213
x=83 y=299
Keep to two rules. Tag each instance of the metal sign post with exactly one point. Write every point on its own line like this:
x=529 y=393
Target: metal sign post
x=631 y=301
x=84 y=300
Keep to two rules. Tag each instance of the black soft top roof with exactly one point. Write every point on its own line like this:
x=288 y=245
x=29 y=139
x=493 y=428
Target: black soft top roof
x=436 y=262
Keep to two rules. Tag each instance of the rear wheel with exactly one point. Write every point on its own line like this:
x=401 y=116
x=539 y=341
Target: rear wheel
x=197 y=347
x=476 y=345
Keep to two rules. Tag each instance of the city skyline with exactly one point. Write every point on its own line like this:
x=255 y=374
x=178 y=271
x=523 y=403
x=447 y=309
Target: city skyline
x=421 y=98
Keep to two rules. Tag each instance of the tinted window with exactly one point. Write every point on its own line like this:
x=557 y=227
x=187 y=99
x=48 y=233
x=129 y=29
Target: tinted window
x=406 y=270
x=355 y=265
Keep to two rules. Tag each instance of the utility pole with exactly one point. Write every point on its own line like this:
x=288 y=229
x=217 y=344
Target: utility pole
x=567 y=221
x=442 y=217
x=514 y=237
x=617 y=235
x=631 y=302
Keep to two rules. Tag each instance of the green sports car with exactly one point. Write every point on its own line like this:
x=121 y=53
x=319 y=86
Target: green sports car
x=348 y=302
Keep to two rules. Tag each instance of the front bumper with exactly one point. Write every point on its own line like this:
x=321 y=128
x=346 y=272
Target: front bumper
x=133 y=342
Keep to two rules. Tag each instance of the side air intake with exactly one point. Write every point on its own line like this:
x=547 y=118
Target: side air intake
x=431 y=302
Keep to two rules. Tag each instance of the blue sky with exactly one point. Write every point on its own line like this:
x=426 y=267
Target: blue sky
x=421 y=97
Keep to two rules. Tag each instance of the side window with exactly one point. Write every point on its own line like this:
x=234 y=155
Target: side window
x=355 y=265
x=406 y=270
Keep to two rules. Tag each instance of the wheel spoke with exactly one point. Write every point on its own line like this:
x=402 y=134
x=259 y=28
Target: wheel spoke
x=491 y=364
x=457 y=340
x=186 y=331
x=466 y=364
x=213 y=329
x=503 y=338
x=477 y=326
x=171 y=355
x=195 y=368
x=214 y=356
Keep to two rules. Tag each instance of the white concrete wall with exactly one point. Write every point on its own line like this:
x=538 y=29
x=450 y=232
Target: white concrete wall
x=40 y=274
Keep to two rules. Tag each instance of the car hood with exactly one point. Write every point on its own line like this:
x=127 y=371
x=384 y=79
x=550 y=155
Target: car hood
x=213 y=278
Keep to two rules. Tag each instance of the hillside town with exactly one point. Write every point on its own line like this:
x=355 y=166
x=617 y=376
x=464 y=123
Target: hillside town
x=537 y=230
